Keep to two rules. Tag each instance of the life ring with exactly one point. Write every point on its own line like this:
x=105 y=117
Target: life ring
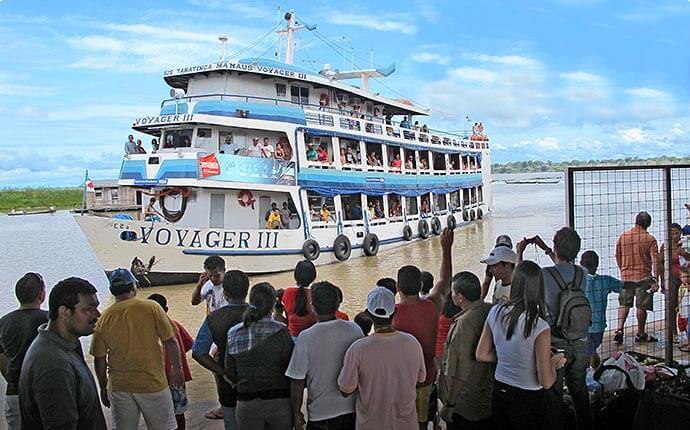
x=423 y=229
x=170 y=215
x=451 y=222
x=465 y=215
x=342 y=248
x=436 y=227
x=480 y=214
x=311 y=250
x=245 y=198
x=472 y=215
x=407 y=233
x=370 y=246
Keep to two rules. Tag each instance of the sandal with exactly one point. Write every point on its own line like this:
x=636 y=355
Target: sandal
x=216 y=414
x=618 y=336
x=684 y=348
x=645 y=338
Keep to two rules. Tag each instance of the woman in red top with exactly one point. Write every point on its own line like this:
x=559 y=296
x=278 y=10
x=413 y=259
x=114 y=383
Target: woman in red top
x=297 y=300
x=450 y=310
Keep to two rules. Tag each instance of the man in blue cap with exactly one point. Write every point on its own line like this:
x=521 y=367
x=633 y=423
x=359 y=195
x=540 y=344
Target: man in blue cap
x=126 y=345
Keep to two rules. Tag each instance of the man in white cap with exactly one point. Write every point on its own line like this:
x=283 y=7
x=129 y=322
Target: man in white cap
x=499 y=266
x=384 y=369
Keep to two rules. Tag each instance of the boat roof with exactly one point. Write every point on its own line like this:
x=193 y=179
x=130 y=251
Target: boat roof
x=179 y=78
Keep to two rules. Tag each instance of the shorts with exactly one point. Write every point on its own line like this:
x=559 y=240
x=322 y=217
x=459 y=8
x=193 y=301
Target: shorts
x=642 y=298
x=179 y=398
x=593 y=342
x=422 y=403
x=682 y=324
x=157 y=409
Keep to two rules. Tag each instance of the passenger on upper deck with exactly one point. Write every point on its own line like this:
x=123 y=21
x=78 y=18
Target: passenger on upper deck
x=267 y=149
x=377 y=114
x=424 y=164
x=396 y=162
x=154 y=146
x=229 y=147
x=377 y=210
x=425 y=206
x=312 y=155
x=343 y=159
x=405 y=123
x=255 y=149
x=140 y=148
x=373 y=159
x=280 y=153
x=350 y=156
x=274 y=221
x=416 y=125
x=325 y=214
x=425 y=129
x=322 y=153
x=130 y=145
x=287 y=149
x=409 y=163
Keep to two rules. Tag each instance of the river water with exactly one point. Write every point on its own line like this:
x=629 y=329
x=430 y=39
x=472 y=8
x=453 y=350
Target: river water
x=54 y=246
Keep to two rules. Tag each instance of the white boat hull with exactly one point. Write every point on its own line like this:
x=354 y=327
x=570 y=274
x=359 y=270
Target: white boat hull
x=180 y=251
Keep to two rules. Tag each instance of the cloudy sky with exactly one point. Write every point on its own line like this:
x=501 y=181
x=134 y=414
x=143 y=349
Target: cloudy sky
x=550 y=79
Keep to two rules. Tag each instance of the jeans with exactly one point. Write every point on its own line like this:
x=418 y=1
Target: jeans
x=515 y=408
x=229 y=418
x=13 y=414
x=274 y=414
x=342 y=422
x=460 y=423
x=574 y=374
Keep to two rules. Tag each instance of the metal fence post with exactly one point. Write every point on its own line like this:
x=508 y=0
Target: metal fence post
x=668 y=263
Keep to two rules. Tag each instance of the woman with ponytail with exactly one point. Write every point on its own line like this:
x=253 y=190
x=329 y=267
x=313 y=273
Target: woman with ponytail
x=518 y=339
x=297 y=300
x=258 y=354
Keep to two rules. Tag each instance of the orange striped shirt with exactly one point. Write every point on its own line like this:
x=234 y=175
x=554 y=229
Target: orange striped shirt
x=636 y=254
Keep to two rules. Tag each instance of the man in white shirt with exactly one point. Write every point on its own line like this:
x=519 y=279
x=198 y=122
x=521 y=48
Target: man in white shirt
x=229 y=147
x=499 y=266
x=317 y=360
x=267 y=149
x=210 y=285
x=255 y=149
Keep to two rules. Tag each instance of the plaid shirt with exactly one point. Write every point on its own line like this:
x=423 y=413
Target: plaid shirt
x=241 y=338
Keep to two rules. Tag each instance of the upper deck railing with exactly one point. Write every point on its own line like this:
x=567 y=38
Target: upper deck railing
x=375 y=126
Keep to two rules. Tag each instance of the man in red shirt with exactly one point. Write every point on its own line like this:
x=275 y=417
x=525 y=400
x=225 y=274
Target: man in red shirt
x=637 y=258
x=419 y=317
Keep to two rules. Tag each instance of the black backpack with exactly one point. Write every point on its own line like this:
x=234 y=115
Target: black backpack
x=574 y=311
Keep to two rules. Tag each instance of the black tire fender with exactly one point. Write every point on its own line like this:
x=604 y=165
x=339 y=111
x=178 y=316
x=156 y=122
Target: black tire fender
x=480 y=213
x=311 y=249
x=423 y=229
x=407 y=233
x=451 y=222
x=370 y=246
x=465 y=215
x=473 y=215
x=436 y=227
x=342 y=248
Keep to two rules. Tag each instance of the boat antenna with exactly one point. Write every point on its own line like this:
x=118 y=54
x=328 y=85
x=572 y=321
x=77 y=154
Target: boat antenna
x=223 y=40
x=278 y=45
x=291 y=27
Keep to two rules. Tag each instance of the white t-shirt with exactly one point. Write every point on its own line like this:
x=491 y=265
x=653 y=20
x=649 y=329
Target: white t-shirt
x=228 y=148
x=501 y=292
x=213 y=294
x=318 y=358
x=516 y=360
x=254 y=150
x=267 y=151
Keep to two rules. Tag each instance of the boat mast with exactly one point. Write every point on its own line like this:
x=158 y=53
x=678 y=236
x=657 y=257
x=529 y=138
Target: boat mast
x=290 y=29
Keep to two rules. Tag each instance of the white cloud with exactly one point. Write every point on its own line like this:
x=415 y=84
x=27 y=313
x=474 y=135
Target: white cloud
x=80 y=113
x=164 y=32
x=508 y=60
x=13 y=89
x=633 y=135
x=646 y=104
x=244 y=10
x=473 y=74
x=395 y=23
x=543 y=144
x=587 y=88
x=430 y=57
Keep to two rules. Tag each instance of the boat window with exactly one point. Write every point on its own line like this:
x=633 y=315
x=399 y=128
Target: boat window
x=455 y=200
x=454 y=161
x=299 y=94
x=394 y=206
x=321 y=208
x=113 y=195
x=203 y=138
x=425 y=207
x=466 y=197
x=411 y=206
x=178 y=138
x=286 y=216
x=281 y=90
x=480 y=193
x=440 y=203
x=410 y=159
x=352 y=206
x=424 y=160
x=465 y=162
x=394 y=159
x=473 y=195
x=350 y=150
x=319 y=150
x=473 y=163
x=375 y=207
x=374 y=156
x=439 y=161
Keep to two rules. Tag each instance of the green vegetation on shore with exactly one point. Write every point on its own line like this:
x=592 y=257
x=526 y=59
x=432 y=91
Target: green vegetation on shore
x=39 y=198
x=551 y=166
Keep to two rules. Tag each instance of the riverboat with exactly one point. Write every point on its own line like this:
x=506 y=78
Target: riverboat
x=264 y=163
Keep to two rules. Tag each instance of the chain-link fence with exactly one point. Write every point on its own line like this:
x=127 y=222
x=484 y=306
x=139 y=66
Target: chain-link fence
x=607 y=207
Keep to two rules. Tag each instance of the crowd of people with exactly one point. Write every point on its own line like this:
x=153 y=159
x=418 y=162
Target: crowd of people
x=491 y=362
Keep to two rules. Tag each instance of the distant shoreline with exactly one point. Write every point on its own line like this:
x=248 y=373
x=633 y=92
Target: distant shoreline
x=36 y=198
x=532 y=166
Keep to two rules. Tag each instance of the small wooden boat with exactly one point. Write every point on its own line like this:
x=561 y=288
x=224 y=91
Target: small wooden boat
x=532 y=181
x=49 y=210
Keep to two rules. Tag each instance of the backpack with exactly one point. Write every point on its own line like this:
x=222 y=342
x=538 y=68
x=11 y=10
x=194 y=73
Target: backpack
x=574 y=312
